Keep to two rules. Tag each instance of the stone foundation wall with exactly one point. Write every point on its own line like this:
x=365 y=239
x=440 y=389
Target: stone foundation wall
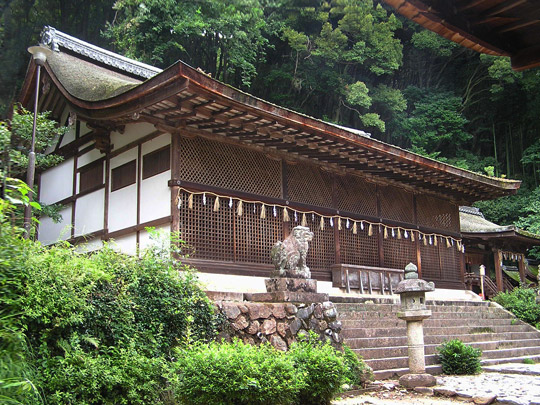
x=279 y=323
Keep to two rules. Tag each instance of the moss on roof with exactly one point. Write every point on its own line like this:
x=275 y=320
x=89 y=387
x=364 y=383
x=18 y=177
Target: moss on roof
x=87 y=81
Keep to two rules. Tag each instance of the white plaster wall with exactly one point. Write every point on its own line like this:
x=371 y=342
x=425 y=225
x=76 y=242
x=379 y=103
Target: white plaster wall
x=89 y=245
x=126 y=244
x=51 y=232
x=155 y=197
x=156 y=143
x=132 y=132
x=123 y=202
x=89 y=212
x=123 y=208
x=57 y=182
x=163 y=231
x=84 y=129
x=69 y=136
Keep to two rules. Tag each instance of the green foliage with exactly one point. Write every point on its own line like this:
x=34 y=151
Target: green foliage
x=521 y=302
x=96 y=328
x=161 y=32
x=235 y=373
x=433 y=43
x=357 y=95
x=529 y=361
x=459 y=358
x=358 y=374
x=323 y=369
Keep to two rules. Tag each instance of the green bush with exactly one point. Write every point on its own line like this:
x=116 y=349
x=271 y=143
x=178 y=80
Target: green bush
x=323 y=368
x=358 y=373
x=521 y=302
x=235 y=373
x=459 y=358
x=96 y=328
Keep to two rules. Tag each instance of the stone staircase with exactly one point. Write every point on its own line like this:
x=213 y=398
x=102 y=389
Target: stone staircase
x=373 y=331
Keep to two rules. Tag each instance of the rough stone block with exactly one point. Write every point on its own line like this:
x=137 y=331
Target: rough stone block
x=240 y=323
x=230 y=310
x=291 y=284
x=484 y=400
x=278 y=343
x=282 y=329
x=424 y=390
x=253 y=327
x=269 y=326
x=258 y=311
x=279 y=311
x=289 y=296
x=444 y=392
x=417 y=380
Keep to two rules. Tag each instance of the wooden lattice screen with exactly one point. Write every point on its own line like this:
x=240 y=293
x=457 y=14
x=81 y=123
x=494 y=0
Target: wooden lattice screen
x=437 y=213
x=431 y=268
x=398 y=252
x=359 y=249
x=309 y=184
x=230 y=167
x=354 y=194
x=322 y=249
x=396 y=204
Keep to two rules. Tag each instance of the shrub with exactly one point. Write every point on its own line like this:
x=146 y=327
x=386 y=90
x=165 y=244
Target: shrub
x=235 y=373
x=521 y=302
x=323 y=368
x=358 y=373
x=459 y=358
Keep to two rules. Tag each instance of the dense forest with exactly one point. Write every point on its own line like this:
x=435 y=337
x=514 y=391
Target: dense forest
x=352 y=62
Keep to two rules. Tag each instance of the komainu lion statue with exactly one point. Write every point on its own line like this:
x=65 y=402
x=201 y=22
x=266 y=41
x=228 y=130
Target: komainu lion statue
x=289 y=256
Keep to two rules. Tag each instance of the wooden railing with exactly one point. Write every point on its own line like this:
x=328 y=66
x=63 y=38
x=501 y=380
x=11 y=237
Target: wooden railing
x=366 y=278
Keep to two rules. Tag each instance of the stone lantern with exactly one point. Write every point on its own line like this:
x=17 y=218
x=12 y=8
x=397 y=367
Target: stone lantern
x=412 y=291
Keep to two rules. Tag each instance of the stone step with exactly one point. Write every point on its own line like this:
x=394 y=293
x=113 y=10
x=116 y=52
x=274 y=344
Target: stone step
x=390 y=323
x=488 y=314
x=393 y=373
x=402 y=350
x=391 y=341
x=366 y=332
x=402 y=361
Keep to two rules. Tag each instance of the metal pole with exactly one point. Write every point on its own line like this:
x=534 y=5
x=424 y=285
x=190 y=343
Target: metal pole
x=31 y=163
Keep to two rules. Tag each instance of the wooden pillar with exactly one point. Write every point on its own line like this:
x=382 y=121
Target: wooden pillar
x=497 y=257
x=521 y=265
x=175 y=175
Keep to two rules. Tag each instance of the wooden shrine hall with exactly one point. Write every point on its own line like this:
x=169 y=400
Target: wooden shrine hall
x=180 y=151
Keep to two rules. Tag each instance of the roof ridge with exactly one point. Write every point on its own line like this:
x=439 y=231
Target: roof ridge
x=53 y=38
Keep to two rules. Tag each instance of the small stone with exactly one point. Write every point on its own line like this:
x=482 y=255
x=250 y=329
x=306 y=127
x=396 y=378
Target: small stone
x=323 y=325
x=327 y=305
x=337 y=338
x=249 y=340
x=295 y=326
x=253 y=327
x=243 y=309
x=305 y=313
x=444 y=392
x=417 y=380
x=484 y=400
x=279 y=311
x=240 y=323
x=282 y=329
x=331 y=313
x=424 y=390
x=269 y=326
x=318 y=311
x=389 y=386
x=314 y=325
x=231 y=311
x=302 y=334
x=336 y=326
x=259 y=311
x=463 y=395
x=291 y=309
x=278 y=343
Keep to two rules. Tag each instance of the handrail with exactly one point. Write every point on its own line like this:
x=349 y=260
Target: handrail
x=376 y=278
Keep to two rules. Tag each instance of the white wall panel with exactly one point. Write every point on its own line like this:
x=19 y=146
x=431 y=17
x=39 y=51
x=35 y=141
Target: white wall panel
x=89 y=245
x=51 y=232
x=131 y=133
x=124 y=158
x=156 y=143
x=155 y=197
x=69 y=136
x=89 y=157
x=89 y=213
x=84 y=129
x=57 y=182
x=163 y=232
x=126 y=244
x=123 y=208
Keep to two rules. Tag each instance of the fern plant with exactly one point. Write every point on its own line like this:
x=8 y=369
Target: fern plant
x=458 y=358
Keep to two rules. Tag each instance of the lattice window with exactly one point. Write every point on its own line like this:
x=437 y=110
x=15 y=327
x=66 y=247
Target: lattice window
x=359 y=249
x=156 y=162
x=437 y=213
x=431 y=268
x=396 y=204
x=209 y=233
x=229 y=166
x=355 y=194
x=322 y=249
x=450 y=260
x=399 y=252
x=255 y=236
x=309 y=184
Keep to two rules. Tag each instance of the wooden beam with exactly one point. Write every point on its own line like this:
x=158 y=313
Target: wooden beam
x=497 y=258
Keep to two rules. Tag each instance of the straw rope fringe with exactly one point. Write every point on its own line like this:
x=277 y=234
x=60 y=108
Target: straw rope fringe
x=397 y=232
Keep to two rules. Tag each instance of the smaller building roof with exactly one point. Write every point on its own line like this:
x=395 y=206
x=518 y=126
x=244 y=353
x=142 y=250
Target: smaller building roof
x=475 y=226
